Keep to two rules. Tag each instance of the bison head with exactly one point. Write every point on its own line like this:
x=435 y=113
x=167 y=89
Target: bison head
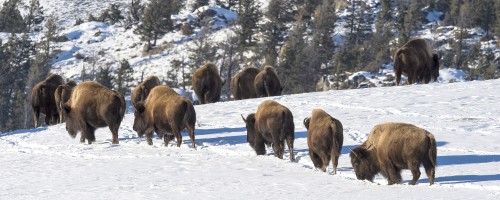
x=72 y=122
x=364 y=164
x=250 y=124
x=140 y=123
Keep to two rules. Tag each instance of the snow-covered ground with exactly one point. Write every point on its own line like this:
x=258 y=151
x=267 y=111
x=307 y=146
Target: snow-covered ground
x=46 y=163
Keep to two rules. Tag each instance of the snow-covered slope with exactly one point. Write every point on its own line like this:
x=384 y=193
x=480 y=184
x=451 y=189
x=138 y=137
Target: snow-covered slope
x=46 y=163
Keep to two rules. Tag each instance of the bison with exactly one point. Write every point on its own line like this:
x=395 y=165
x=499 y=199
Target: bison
x=62 y=95
x=93 y=106
x=167 y=113
x=267 y=83
x=415 y=60
x=272 y=124
x=324 y=139
x=43 y=100
x=207 y=83
x=141 y=91
x=242 y=84
x=391 y=147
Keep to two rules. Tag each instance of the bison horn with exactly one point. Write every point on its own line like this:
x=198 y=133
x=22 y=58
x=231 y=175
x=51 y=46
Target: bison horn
x=354 y=153
x=243 y=118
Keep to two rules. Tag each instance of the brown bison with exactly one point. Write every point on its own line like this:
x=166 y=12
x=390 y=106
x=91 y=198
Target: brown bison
x=242 y=84
x=415 y=60
x=62 y=95
x=93 y=106
x=207 y=83
x=272 y=124
x=391 y=147
x=324 y=139
x=43 y=100
x=267 y=83
x=141 y=91
x=167 y=113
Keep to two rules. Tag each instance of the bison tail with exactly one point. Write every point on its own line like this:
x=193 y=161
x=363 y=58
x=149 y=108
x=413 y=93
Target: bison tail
x=432 y=149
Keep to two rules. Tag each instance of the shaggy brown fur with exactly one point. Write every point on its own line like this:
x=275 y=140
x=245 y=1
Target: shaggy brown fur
x=271 y=124
x=207 y=83
x=267 y=83
x=435 y=66
x=93 y=106
x=392 y=147
x=324 y=139
x=242 y=84
x=415 y=60
x=62 y=95
x=167 y=113
x=141 y=91
x=43 y=100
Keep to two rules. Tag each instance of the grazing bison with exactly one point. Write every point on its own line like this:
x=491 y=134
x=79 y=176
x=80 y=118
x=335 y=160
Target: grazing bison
x=435 y=66
x=167 y=113
x=267 y=83
x=242 y=84
x=62 y=95
x=207 y=83
x=415 y=60
x=391 y=147
x=93 y=106
x=142 y=90
x=43 y=100
x=324 y=139
x=272 y=124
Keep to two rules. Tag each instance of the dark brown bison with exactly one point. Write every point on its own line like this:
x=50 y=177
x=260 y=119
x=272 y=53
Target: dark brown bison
x=167 y=113
x=324 y=139
x=391 y=147
x=141 y=91
x=93 y=106
x=62 y=95
x=242 y=84
x=43 y=100
x=267 y=83
x=415 y=60
x=272 y=124
x=435 y=66
x=207 y=83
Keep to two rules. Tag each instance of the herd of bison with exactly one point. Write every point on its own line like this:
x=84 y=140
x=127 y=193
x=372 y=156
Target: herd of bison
x=390 y=147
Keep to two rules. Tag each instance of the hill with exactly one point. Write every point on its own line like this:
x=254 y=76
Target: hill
x=46 y=163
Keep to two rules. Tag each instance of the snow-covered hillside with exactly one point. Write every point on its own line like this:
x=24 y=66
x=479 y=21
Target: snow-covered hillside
x=46 y=163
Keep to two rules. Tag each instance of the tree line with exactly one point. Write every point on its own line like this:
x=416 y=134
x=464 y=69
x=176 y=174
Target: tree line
x=297 y=37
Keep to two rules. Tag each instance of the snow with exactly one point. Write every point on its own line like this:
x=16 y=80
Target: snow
x=46 y=163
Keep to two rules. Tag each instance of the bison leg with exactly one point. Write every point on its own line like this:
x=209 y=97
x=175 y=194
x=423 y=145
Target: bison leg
x=89 y=133
x=430 y=170
x=393 y=174
x=335 y=154
x=190 y=130
x=82 y=138
x=36 y=115
x=278 y=147
x=48 y=116
x=259 y=144
x=114 y=132
x=289 y=142
x=178 y=137
x=167 y=138
x=149 y=134
x=318 y=162
x=415 y=171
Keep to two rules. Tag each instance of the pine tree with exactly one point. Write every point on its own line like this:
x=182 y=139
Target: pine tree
x=204 y=49
x=324 y=25
x=227 y=4
x=34 y=17
x=484 y=14
x=290 y=64
x=156 y=20
x=248 y=17
x=123 y=78
x=279 y=12
x=104 y=77
x=11 y=19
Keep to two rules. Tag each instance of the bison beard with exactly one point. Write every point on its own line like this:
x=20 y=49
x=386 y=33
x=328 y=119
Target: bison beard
x=392 y=147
